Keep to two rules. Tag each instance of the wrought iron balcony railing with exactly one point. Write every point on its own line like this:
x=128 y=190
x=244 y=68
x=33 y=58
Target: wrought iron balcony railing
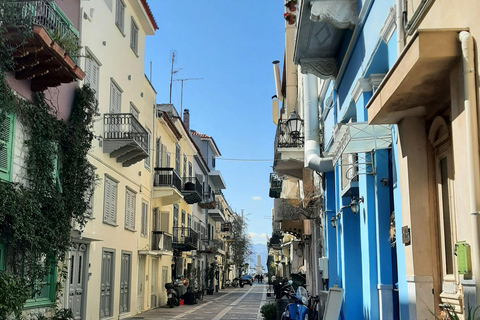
x=46 y=14
x=125 y=126
x=192 y=190
x=161 y=240
x=185 y=239
x=284 y=138
x=167 y=177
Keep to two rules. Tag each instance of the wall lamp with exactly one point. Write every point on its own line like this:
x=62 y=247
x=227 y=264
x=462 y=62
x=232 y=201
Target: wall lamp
x=354 y=206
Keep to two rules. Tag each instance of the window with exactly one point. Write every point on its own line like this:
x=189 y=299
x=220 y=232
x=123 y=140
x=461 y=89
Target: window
x=125 y=282
x=130 y=210
x=189 y=220
x=110 y=201
x=144 y=227
x=213 y=163
x=147 y=159
x=92 y=72
x=177 y=157
x=134 y=111
x=120 y=15
x=158 y=153
x=184 y=166
x=134 y=37
x=175 y=215
x=45 y=289
x=115 y=98
x=106 y=287
x=6 y=147
x=190 y=169
x=167 y=157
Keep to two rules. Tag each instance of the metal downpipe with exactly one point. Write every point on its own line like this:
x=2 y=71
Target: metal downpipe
x=473 y=163
x=312 y=144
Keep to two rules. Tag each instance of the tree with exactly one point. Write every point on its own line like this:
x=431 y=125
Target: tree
x=241 y=243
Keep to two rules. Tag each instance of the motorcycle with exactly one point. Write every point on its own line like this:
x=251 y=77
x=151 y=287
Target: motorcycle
x=172 y=295
x=235 y=282
x=297 y=310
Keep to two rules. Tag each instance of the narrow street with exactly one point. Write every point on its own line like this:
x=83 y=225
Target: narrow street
x=231 y=303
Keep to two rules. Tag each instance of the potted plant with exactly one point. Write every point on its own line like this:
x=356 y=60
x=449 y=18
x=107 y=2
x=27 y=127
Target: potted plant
x=290 y=4
x=290 y=17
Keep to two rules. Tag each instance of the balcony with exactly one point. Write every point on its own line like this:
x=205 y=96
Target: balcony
x=275 y=186
x=217 y=245
x=167 y=185
x=290 y=216
x=288 y=148
x=208 y=201
x=44 y=41
x=184 y=239
x=125 y=138
x=321 y=29
x=161 y=241
x=217 y=213
x=192 y=190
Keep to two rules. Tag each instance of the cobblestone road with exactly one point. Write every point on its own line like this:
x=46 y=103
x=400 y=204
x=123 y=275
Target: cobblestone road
x=229 y=304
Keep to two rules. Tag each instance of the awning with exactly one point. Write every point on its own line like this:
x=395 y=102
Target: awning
x=418 y=79
x=359 y=137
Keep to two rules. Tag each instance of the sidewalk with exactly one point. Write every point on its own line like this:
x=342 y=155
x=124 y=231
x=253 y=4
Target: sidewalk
x=228 y=304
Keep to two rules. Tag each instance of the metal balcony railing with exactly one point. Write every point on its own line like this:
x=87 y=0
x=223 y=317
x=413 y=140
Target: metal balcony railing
x=125 y=126
x=161 y=240
x=275 y=181
x=167 y=177
x=185 y=238
x=46 y=14
x=192 y=184
x=284 y=138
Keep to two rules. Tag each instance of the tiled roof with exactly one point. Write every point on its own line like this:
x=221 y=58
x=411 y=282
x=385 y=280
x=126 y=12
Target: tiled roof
x=149 y=13
x=201 y=135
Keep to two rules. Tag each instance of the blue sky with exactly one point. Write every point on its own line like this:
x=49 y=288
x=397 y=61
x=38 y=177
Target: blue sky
x=231 y=45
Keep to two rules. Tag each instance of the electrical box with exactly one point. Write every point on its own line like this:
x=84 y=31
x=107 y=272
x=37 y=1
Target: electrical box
x=464 y=262
x=323 y=267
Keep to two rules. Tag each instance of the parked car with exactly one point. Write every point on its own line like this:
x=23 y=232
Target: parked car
x=246 y=279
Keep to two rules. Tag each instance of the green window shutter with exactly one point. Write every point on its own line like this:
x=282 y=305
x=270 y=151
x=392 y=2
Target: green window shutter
x=6 y=147
x=2 y=256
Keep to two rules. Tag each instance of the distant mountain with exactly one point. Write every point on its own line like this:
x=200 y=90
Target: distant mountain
x=259 y=249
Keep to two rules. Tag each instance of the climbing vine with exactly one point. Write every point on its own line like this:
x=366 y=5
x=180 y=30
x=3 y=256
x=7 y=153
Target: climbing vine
x=36 y=216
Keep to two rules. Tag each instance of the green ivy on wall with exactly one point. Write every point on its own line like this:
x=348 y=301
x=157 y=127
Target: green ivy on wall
x=36 y=217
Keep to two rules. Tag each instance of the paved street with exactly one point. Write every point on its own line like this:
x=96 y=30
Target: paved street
x=231 y=303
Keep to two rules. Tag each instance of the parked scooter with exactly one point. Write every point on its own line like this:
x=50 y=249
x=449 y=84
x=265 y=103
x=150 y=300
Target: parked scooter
x=297 y=310
x=172 y=295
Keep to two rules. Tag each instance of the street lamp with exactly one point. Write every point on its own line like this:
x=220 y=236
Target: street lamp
x=294 y=124
x=333 y=221
x=355 y=205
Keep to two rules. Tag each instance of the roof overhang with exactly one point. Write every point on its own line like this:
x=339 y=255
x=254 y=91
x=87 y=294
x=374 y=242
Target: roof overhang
x=357 y=137
x=417 y=79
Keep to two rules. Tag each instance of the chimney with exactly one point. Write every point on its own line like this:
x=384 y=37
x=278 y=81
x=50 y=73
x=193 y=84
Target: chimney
x=186 y=119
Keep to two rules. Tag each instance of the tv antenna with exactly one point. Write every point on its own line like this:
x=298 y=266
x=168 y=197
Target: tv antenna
x=171 y=77
x=181 y=92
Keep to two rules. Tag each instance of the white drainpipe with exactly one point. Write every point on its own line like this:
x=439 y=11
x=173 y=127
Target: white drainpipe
x=311 y=122
x=471 y=107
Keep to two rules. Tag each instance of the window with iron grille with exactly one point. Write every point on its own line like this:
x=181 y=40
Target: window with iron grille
x=120 y=15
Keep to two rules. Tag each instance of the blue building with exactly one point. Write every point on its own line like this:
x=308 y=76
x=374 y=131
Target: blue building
x=343 y=49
